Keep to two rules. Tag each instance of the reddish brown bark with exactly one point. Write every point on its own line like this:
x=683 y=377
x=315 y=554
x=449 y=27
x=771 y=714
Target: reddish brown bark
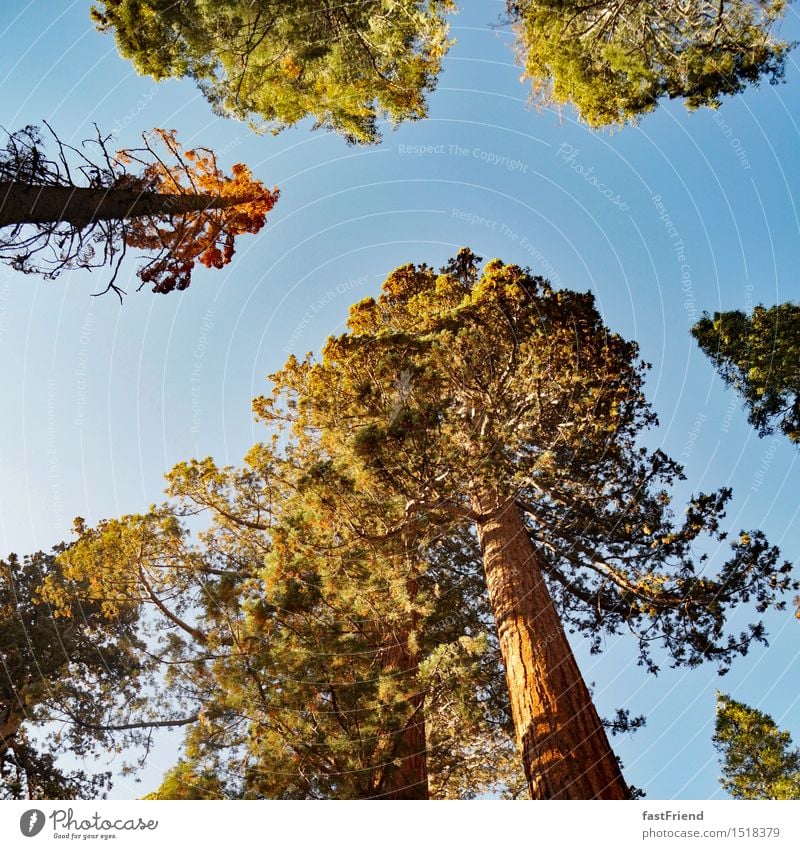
x=405 y=775
x=23 y=204
x=8 y=730
x=565 y=750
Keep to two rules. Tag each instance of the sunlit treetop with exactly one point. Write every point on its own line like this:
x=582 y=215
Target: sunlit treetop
x=240 y=205
x=455 y=384
x=759 y=356
x=759 y=760
x=614 y=60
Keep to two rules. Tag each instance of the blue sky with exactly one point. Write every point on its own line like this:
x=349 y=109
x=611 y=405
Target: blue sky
x=685 y=213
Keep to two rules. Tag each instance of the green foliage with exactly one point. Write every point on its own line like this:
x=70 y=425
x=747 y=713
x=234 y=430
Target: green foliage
x=327 y=621
x=30 y=770
x=759 y=760
x=65 y=678
x=309 y=654
x=344 y=64
x=471 y=748
x=184 y=782
x=614 y=60
x=759 y=356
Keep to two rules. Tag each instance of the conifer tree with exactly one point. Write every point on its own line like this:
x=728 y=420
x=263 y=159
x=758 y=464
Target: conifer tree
x=759 y=356
x=184 y=782
x=318 y=666
x=334 y=606
x=72 y=679
x=498 y=401
x=176 y=205
x=344 y=64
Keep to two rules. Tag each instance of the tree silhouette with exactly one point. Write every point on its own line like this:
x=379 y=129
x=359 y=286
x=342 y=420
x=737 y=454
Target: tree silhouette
x=71 y=680
x=75 y=211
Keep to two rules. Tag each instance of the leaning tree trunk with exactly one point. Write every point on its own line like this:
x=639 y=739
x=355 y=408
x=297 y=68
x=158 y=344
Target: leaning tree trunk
x=564 y=747
x=24 y=204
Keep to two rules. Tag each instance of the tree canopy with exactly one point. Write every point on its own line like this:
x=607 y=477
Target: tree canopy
x=77 y=212
x=347 y=65
x=184 y=782
x=67 y=677
x=455 y=482
x=458 y=380
x=759 y=356
x=467 y=396
x=614 y=60
x=759 y=760
x=318 y=667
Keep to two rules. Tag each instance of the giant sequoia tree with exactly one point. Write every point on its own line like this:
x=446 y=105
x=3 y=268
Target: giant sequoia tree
x=344 y=64
x=77 y=212
x=614 y=60
x=759 y=356
x=496 y=401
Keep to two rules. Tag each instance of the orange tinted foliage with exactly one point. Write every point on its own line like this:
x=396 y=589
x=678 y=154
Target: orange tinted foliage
x=203 y=213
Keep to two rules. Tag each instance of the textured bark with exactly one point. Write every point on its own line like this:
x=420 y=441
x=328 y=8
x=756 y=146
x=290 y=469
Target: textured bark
x=24 y=204
x=406 y=776
x=564 y=747
x=9 y=727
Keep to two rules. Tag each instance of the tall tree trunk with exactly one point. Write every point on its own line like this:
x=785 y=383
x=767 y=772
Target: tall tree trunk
x=406 y=774
x=564 y=747
x=9 y=726
x=24 y=204
x=406 y=777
